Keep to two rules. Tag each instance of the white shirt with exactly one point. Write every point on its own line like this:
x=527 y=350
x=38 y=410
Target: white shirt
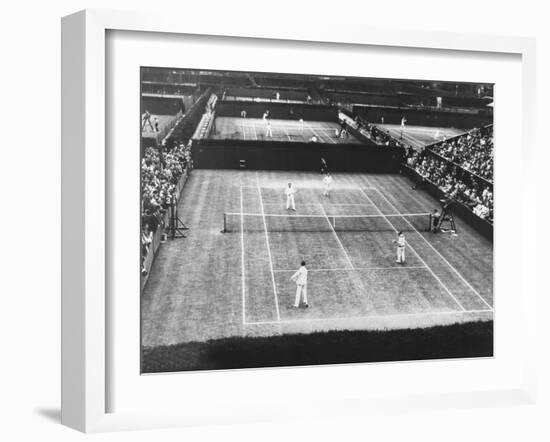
x=400 y=241
x=289 y=191
x=327 y=180
x=300 y=276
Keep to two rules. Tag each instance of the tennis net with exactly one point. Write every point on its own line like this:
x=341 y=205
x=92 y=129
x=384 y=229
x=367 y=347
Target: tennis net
x=258 y=222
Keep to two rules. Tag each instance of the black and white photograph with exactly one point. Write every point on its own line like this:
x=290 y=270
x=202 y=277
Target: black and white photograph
x=298 y=220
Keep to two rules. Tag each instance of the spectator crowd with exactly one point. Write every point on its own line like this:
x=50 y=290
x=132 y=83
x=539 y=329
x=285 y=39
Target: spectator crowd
x=161 y=170
x=456 y=183
x=473 y=151
x=373 y=133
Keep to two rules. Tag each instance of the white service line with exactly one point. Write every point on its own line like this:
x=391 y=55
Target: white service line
x=315 y=133
x=304 y=186
x=269 y=254
x=420 y=143
x=329 y=136
x=354 y=268
x=439 y=254
x=324 y=204
x=382 y=316
x=414 y=251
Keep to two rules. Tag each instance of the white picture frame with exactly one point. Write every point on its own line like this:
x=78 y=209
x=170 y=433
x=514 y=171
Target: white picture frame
x=85 y=353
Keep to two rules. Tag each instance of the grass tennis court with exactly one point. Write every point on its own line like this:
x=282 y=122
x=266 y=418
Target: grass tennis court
x=214 y=285
x=420 y=136
x=164 y=120
x=283 y=130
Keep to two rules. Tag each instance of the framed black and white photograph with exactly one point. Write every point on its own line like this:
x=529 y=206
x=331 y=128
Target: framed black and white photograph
x=266 y=222
x=308 y=219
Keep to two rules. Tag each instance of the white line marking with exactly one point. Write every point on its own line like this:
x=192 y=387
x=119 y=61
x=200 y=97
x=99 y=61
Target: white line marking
x=304 y=186
x=269 y=254
x=419 y=142
x=345 y=252
x=440 y=255
x=337 y=238
x=355 y=268
x=255 y=133
x=315 y=133
x=413 y=250
x=382 y=316
x=328 y=136
x=242 y=262
x=324 y=204
x=243 y=128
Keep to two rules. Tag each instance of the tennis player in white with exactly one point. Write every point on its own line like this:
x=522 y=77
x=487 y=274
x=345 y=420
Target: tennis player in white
x=400 y=248
x=327 y=181
x=268 y=132
x=300 y=277
x=289 y=192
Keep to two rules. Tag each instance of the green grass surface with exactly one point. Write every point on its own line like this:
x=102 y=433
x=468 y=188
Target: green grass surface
x=474 y=339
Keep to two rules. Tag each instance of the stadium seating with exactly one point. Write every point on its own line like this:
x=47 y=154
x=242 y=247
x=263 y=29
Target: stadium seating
x=473 y=151
x=162 y=177
x=456 y=168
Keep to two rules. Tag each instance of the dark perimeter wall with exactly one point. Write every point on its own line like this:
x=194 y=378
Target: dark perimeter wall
x=278 y=155
x=278 y=111
x=423 y=117
x=162 y=105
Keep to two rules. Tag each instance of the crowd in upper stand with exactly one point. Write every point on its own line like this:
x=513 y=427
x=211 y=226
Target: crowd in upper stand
x=473 y=151
x=456 y=183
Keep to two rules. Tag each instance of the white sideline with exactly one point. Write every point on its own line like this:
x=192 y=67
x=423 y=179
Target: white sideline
x=413 y=250
x=440 y=255
x=337 y=239
x=269 y=255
